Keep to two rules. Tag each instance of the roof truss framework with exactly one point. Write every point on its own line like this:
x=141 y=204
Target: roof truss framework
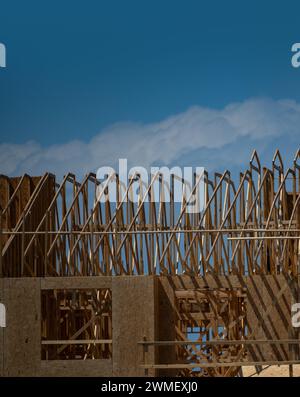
x=65 y=230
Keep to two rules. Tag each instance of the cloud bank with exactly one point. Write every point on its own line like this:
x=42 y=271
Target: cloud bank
x=214 y=138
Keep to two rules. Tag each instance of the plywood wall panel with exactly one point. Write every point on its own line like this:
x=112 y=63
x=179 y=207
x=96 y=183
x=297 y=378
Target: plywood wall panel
x=76 y=282
x=76 y=368
x=166 y=319
x=133 y=319
x=22 y=335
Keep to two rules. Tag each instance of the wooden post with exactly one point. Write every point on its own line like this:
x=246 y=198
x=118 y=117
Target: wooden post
x=22 y=245
x=46 y=245
x=92 y=244
x=145 y=355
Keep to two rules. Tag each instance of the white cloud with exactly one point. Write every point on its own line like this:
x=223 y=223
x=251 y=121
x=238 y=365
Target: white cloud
x=210 y=136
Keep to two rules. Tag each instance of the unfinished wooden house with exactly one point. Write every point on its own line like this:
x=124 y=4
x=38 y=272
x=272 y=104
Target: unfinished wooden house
x=94 y=288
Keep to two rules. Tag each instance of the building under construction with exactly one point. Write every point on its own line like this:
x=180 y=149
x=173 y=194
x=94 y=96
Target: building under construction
x=100 y=288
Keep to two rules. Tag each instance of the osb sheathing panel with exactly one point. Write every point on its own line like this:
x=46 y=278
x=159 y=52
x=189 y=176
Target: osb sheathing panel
x=295 y=331
x=276 y=322
x=166 y=319
x=22 y=337
x=76 y=282
x=89 y=368
x=269 y=300
x=12 y=219
x=133 y=319
x=143 y=306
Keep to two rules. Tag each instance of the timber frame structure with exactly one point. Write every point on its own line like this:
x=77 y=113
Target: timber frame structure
x=98 y=288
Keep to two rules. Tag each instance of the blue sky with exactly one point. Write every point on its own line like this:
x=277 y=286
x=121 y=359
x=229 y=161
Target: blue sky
x=189 y=82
